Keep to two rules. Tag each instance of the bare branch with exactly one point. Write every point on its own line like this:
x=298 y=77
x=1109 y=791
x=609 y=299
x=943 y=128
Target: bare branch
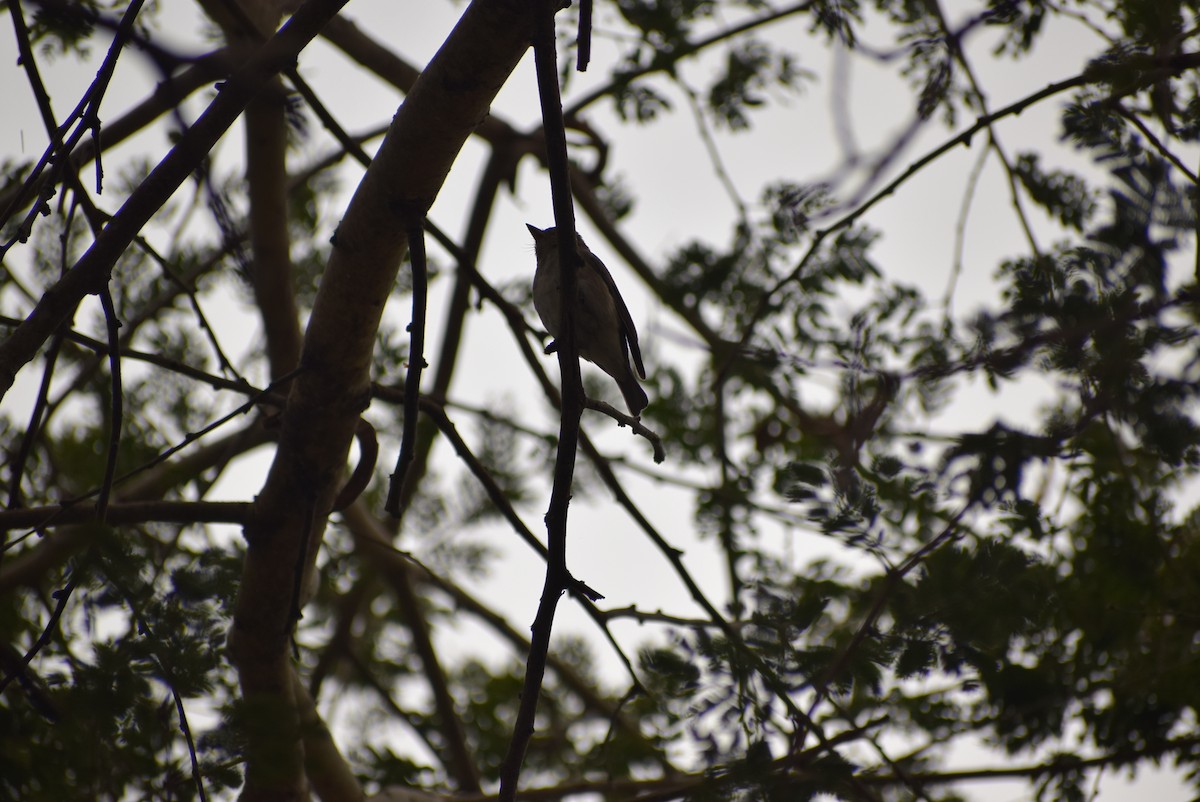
x=558 y=579
x=91 y=271
x=323 y=407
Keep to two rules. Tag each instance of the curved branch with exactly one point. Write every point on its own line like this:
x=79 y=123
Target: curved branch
x=318 y=424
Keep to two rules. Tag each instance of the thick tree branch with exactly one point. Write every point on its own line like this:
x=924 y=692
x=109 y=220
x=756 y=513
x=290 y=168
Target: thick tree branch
x=441 y=111
x=272 y=274
x=326 y=768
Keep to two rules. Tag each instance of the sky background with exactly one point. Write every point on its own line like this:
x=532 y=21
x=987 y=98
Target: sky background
x=679 y=197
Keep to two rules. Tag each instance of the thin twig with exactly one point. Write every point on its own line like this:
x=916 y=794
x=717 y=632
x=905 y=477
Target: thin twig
x=416 y=363
x=131 y=325
x=583 y=42
x=675 y=557
x=143 y=628
x=1156 y=143
x=86 y=112
x=26 y=59
x=91 y=270
x=459 y=762
x=191 y=437
x=960 y=230
x=117 y=411
x=892 y=579
x=374 y=540
x=495 y=492
x=714 y=153
x=681 y=52
x=635 y=425
x=954 y=42
x=63 y=596
x=194 y=302
x=962 y=138
x=17 y=465
x=158 y=360
x=579 y=590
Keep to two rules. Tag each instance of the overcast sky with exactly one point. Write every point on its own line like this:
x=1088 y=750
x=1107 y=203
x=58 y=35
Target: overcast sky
x=679 y=197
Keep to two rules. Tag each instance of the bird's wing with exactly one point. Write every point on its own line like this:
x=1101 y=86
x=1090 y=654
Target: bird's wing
x=628 y=330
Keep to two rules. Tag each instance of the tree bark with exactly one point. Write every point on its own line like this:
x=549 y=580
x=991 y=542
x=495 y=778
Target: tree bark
x=447 y=103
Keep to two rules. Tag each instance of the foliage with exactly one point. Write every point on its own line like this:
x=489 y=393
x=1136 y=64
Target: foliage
x=1028 y=579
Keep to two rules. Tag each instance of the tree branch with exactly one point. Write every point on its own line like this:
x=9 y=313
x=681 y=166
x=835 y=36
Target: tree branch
x=318 y=424
x=91 y=272
x=324 y=764
x=416 y=364
x=558 y=578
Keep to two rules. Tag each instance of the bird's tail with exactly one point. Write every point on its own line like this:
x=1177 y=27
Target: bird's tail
x=635 y=396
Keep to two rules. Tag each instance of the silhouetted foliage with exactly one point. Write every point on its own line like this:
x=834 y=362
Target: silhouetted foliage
x=1029 y=578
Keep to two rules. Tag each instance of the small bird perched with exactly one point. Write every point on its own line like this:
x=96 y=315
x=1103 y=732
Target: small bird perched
x=604 y=331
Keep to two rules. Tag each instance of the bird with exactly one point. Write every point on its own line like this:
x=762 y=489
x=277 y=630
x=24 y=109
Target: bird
x=604 y=330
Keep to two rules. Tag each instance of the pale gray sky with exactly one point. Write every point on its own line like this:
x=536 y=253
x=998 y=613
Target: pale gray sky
x=678 y=197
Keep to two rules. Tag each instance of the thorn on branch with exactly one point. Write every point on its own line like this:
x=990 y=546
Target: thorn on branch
x=579 y=587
